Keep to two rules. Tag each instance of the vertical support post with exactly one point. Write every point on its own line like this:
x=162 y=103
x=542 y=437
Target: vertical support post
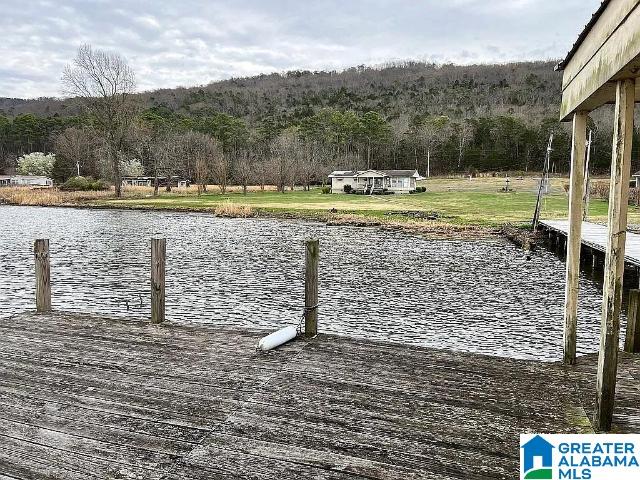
x=614 y=261
x=632 y=338
x=43 y=275
x=158 y=265
x=595 y=263
x=312 y=252
x=587 y=254
x=574 y=237
x=587 y=180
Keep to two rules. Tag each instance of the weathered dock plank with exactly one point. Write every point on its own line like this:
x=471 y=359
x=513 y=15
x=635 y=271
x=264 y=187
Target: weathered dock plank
x=86 y=397
x=595 y=236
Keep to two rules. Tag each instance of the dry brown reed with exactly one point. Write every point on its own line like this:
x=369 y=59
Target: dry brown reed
x=229 y=209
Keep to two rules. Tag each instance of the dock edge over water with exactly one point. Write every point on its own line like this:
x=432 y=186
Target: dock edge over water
x=91 y=397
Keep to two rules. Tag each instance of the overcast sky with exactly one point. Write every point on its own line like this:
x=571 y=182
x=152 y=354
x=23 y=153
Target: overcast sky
x=189 y=42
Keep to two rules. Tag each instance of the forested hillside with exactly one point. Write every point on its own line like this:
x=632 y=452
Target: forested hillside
x=446 y=118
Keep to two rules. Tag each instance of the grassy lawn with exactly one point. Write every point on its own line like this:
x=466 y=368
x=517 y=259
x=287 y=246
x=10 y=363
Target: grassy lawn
x=458 y=201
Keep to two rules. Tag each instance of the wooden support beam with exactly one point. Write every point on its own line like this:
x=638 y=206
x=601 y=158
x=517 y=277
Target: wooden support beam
x=574 y=241
x=312 y=253
x=587 y=180
x=586 y=257
x=158 y=267
x=595 y=261
x=562 y=246
x=43 y=275
x=614 y=261
x=632 y=338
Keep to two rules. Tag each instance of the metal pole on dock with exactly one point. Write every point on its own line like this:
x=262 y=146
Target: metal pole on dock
x=544 y=185
x=158 y=265
x=632 y=338
x=312 y=253
x=43 y=275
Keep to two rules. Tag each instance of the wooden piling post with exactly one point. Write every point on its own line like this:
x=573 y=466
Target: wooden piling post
x=562 y=246
x=312 y=253
x=43 y=275
x=158 y=265
x=614 y=261
x=574 y=240
x=587 y=180
x=632 y=338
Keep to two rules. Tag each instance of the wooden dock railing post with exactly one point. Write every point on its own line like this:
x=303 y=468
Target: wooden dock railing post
x=574 y=237
x=312 y=253
x=615 y=252
x=158 y=261
x=632 y=338
x=43 y=275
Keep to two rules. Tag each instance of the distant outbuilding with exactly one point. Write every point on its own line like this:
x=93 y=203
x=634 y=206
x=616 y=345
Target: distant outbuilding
x=150 y=181
x=25 y=181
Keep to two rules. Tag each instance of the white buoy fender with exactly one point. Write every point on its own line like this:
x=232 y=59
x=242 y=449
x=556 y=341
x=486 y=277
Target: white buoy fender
x=276 y=339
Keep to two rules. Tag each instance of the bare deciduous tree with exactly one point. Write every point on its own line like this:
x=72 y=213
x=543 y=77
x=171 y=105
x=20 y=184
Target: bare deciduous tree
x=244 y=169
x=166 y=155
x=285 y=151
x=310 y=167
x=431 y=133
x=220 y=169
x=200 y=150
x=464 y=132
x=105 y=83
x=78 y=146
x=261 y=170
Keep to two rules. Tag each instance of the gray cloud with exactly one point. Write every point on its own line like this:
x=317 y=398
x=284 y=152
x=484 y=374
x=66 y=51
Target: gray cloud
x=183 y=43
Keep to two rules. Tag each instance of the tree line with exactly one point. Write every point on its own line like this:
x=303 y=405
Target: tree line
x=116 y=133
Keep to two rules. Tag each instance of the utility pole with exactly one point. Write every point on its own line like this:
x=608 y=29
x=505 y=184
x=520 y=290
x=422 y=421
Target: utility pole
x=544 y=183
x=587 y=180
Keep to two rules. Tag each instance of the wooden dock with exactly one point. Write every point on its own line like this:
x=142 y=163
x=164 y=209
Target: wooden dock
x=594 y=237
x=85 y=397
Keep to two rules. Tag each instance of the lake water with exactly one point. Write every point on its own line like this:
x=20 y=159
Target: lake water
x=479 y=296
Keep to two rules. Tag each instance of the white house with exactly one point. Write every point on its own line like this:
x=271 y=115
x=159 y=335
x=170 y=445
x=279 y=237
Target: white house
x=25 y=181
x=374 y=181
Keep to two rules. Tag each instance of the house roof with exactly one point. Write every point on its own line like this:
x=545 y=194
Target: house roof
x=538 y=442
x=594 y=18
x=24 y=177
x=400 y=173
x=343 y=173
x=386 y=173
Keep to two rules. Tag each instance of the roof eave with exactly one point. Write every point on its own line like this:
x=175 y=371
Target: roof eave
x=594 y=18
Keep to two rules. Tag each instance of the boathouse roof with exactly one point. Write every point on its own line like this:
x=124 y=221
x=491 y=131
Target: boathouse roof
x=583 y=35
x=606 y=51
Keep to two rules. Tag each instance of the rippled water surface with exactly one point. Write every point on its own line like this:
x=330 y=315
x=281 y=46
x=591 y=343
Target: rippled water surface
x=480 y=296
